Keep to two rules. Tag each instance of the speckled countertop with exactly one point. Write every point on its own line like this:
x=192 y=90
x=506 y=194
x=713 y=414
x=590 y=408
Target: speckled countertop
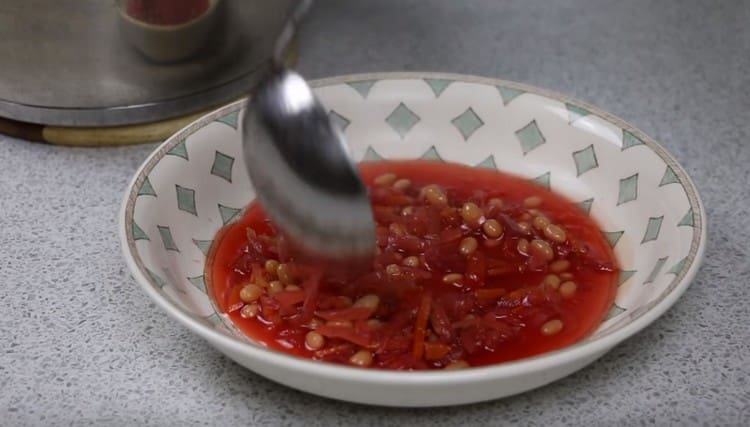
x=80 y=343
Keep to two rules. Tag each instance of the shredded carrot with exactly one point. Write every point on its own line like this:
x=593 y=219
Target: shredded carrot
x=491 y=293
x=290 y=298
x=435 y=351
x=350 y=313
x=518 y=294
x=311 y=286
x=501 y=271
x=420 y=327
x=362 y=339
x=450 y=235
x=396 y=200
x=334 y=350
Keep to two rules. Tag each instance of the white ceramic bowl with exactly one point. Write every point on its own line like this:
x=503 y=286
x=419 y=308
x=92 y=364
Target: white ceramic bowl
x=647 y=205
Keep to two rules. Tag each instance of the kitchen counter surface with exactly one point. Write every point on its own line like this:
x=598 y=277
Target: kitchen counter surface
x=82 y=344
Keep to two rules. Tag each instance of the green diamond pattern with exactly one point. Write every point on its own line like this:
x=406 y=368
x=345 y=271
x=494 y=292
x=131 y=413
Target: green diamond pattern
x=227 y=213
x=166 y=238
x=438 y=85
x=138 y=233
x=372 y=156
x=431 y=154
x=575 y=112
x=363 y=86
x=402 y=119
x=222 y=166
x=655 y=272
x=179 y=150
x=688 y=220
x=629 y=140
x=613 y=237
x=614 y=312
x=669 y=177
x=586 y=205
x=488 y=163
x=467 y=123
x=155 y=278
x=146 y=189
x=203 y=245
x=186 y=199
x=229 y=119
x=624 y=276
x=508 y=94
x=339 y=120
x=214 y=320
x=628 y=189
x=543 y=180
x=677 y=268
x=585 y=160
x=653 y=228
x=530 y=137
x=198 y=282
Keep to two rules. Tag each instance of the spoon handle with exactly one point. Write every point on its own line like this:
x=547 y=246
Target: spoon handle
x=298 y=11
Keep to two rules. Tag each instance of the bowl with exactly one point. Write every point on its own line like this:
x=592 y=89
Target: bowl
x=646 y=204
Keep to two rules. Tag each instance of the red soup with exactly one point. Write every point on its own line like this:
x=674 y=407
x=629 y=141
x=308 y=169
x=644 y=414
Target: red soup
x=473 y=267
x=166 y=12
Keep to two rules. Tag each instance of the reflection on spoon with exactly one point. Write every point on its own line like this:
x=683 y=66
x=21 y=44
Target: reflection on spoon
x=300 y=167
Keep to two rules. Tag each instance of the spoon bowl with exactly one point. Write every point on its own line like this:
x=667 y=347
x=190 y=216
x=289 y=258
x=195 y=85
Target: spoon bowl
x=300 y=165
x=304 y=177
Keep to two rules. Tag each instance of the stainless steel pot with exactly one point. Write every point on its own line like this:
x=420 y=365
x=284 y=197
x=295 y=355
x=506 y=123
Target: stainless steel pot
x=97 y=63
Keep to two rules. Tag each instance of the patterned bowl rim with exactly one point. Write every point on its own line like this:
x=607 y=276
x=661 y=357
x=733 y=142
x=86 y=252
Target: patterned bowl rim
x=581 y=350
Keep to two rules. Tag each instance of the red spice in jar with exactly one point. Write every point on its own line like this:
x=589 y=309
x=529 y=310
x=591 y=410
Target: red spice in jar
x=166 y=12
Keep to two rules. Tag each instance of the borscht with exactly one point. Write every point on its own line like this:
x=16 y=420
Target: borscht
x=473 y=267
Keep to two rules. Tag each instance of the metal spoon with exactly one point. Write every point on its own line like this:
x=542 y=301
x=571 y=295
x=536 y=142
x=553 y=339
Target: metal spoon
x=299 y=164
